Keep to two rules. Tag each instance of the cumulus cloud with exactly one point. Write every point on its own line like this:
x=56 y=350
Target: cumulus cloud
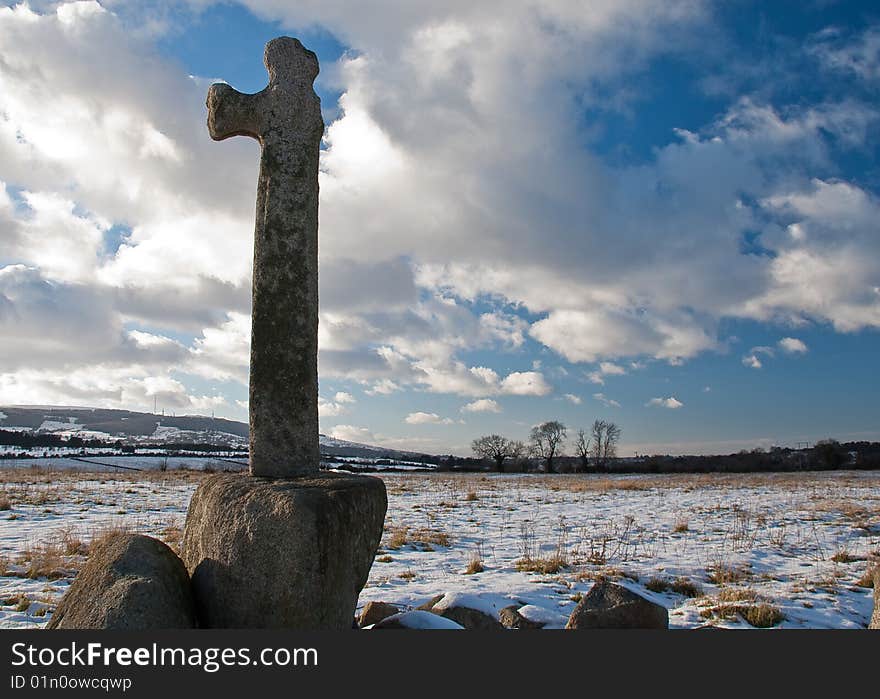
x=525 y=383
x=607 y=369
x=671 y=403
x=421 y=418
x=792 y=345
x=573 y=399
x=475 y=225
x=482 y=405
x=382 y=387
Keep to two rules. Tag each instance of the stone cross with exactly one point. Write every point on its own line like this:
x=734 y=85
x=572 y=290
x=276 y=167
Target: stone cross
x=285 y=118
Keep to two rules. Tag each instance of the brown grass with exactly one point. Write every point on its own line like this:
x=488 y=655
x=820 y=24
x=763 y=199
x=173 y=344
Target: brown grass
x=867 y=580
x=842 y=555
x=546 y=566
x=737 y=594
x=656 y=584
x=44 y=561
x=423 y=537
x=680 y=586
x=686 y=587
x=475 y=565
x=725 y=574
x=762 y=616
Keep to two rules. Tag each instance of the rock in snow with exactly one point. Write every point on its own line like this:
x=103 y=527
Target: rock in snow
x=130 y=582
x=473 y=612
x=612 y=606
x=418 y=620
x=374 y=612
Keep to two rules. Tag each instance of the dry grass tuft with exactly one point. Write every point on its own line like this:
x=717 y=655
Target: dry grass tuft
x=762 y=616
x=423 y=537
x=72 y=544
x=867 y=580
x=656 y=584
x=842 y=555
x=680 y=586
x=44 y=561
x=475 y=565
x=546 y=566
x=737 y=594
x=5 y=502
x=680 y=526
x=725 y=574
x=686 y=587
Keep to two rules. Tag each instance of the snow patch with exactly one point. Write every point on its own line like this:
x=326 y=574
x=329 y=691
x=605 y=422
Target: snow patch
x=542 y=615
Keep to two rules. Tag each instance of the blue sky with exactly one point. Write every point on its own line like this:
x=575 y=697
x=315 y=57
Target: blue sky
x=659 y=213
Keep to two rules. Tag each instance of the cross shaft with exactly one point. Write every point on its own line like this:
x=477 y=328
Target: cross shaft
x=285 y=118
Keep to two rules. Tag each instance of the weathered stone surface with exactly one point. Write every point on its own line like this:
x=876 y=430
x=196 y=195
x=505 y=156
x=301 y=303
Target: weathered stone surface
x=286 y=119
x=472 y=612
x=129 y=582
x=282 y=553
x=429 y=605
x=612 y=606
x=510 y=618
x=417 y=620
x=875 y=618
x=374 y=612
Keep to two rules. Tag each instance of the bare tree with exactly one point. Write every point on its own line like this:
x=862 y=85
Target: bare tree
x=495 y=447
x=605 y=436
x=582 y=449
x=519 y=454
x=547 y=440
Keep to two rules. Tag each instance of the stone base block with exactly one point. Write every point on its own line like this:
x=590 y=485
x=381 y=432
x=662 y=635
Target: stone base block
x=282 y=553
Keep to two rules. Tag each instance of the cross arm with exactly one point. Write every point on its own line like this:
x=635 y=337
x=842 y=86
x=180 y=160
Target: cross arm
x=232 y=113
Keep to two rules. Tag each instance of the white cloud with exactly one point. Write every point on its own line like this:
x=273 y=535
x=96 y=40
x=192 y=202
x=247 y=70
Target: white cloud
x=608 y=369
x=672 y=403
x=421 y=418
x=525 y=383
x=383 y=387
x=351 y=433
x=606 y=401
x=426 y=88
x=482 y=405
x=792 y=345
x=573 y=399
x=752 y=361
x=343 y=397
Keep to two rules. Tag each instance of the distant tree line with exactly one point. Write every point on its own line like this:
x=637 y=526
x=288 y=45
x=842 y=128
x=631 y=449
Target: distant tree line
x=596 y=451
x=29 y=440
x=545 y=449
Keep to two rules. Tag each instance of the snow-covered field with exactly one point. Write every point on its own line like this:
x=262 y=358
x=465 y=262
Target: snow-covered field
x=790 y=550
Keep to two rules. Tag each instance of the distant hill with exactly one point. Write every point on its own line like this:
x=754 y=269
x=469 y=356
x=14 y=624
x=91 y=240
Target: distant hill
x=149 y=428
